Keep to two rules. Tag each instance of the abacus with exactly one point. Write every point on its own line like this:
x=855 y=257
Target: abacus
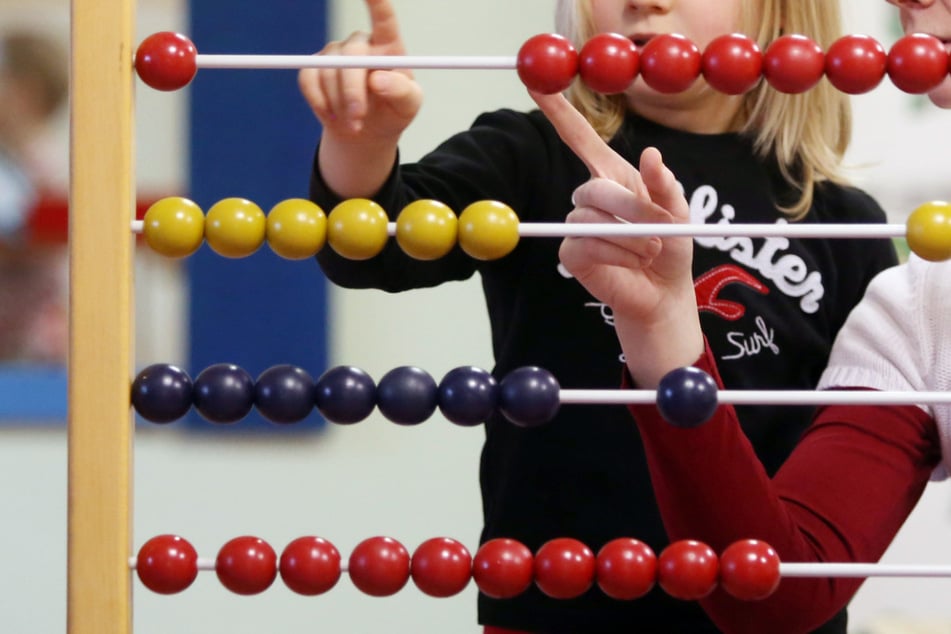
x=101 y=325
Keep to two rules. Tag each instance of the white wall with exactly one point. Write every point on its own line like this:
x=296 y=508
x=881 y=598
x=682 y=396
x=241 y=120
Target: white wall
x=374 y=478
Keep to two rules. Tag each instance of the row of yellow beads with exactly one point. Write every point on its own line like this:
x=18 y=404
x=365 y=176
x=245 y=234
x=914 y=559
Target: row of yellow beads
x=357 y=228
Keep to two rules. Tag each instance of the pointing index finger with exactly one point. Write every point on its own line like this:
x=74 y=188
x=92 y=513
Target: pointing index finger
x=577 y=133
x=385 y=28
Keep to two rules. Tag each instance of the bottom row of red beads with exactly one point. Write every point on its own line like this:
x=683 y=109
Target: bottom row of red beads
x=562 y=568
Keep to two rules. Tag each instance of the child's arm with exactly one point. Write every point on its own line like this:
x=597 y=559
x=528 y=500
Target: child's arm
x=363 y=112
x=840 y=497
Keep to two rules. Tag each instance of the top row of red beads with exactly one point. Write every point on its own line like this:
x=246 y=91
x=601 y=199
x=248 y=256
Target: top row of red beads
x=608 y=63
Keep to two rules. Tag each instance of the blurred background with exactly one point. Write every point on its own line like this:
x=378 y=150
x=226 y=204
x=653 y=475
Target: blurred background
x=248 y=133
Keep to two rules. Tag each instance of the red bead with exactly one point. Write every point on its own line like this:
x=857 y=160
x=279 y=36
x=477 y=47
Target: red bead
x=547 y=63
x=732 y=64
x=503 y=568
x=749 y=570
x=855 y=64
x=246 y=565
x=379 y=566
x=687 y=570
x=670 y=63
x=441 y=567
x=917 y=63
x=167 y=564
x=793 y=64
x=166 y=60
x=608 y=63
x=564 y=568
x=310 y=565
x=626 y=569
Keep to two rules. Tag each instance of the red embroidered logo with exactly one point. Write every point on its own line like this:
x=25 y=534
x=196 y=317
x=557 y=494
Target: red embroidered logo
x=708 y=286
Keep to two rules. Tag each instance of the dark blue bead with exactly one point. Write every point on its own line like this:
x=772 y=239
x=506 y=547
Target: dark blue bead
x=223 y=393
x=345 y=395
x=687 y=397
x=406 y=395
x=284 y=394
x=529 y=396
x=468 y=395
x=162 y=393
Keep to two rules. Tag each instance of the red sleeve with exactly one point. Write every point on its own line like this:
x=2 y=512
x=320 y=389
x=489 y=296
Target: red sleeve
x=818 y=508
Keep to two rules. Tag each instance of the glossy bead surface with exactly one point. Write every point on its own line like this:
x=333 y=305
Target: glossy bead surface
x=749 y=570
x=284 y=394
x=488 y=230
x=529 y=396
x=167 y=564
x=345 y=395
x=564 y=568
x=793 y=64
x=608 y=63
x=357 y=229
x=688 y=570
x=406 y=395
x=626 y=569
x=468 y=395
x=223 y=393
x=732 y=64
x=547 y=63
x=917 y=63
x=379 y=566
x=441 y=567
x=162 y=393
x=503 y=568
x=670 y=63
x=235 y=227
x=928 y=231
x=687 y=397
x=246 y=565
x=310 y=565
x=427 y=229
x=166 y=61
x=296 y=229
x=174 y=227
x=855 y=64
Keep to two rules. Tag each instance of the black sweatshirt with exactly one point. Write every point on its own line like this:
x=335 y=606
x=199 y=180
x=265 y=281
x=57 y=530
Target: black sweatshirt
x=770 y=309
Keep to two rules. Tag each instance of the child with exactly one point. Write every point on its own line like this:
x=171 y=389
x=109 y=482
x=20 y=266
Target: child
x=771 y=308
x=709 y=483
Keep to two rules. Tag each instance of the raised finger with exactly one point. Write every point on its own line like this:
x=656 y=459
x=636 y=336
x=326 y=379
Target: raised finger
x=578 y=135
x=385 y=29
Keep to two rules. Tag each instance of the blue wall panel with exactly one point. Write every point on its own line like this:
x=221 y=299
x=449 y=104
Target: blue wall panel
x=252 y=136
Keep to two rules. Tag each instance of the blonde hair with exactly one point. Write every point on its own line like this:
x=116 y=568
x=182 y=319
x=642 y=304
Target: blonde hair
x=807 y=134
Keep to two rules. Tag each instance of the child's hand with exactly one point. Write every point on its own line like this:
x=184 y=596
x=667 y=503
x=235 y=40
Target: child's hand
x=632 y=275
x=362 y=104
x=647 y=281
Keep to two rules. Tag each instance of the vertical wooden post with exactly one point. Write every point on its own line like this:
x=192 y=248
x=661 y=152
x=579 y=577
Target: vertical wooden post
x=101 y=202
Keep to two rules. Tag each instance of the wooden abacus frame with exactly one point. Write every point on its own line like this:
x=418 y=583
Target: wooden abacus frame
x=100 y=424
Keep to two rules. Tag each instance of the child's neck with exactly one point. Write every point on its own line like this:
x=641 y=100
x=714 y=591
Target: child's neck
x=710 y=115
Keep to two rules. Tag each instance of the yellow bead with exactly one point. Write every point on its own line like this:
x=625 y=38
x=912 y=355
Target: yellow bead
x=235 y=227
x=929 y=231
x=296 y=229
x=488 y=230
x=426 y=229
x=174 y=227
x=357 y=229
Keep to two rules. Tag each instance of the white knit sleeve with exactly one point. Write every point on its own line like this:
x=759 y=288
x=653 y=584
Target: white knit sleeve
x=880 y=345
